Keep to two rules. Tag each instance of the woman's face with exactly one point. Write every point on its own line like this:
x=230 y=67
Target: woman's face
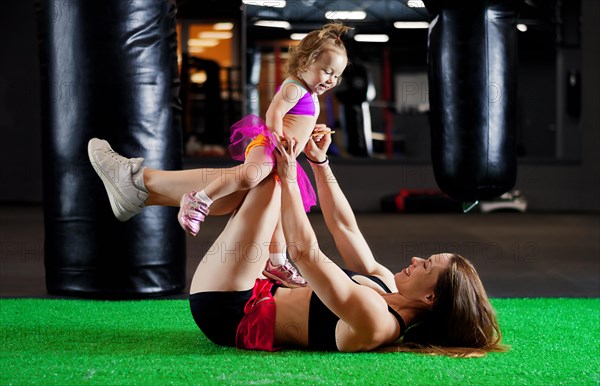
x=323 y=74
x=418 y=280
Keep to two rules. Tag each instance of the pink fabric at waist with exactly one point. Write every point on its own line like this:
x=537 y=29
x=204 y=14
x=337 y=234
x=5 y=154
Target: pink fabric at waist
x=247 y=129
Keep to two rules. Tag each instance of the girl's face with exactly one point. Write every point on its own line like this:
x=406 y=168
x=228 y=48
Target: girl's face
x=323 y=74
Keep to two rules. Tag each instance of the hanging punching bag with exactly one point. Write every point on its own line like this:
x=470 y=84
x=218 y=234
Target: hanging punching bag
x=352 y=93
x=108 y=70
x=472 y=93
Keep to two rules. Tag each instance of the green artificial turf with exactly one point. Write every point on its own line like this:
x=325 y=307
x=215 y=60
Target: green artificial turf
x=58 y=342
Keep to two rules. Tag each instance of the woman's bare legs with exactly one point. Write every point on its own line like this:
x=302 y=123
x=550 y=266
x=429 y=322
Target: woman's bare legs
x=130 y=186
x=239 y=254
x=165 y=188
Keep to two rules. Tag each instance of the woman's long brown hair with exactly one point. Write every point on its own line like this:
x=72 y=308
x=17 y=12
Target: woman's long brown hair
x=461 y=322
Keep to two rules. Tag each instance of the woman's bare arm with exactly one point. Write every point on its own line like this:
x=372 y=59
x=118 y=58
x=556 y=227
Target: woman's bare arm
x=339 y=216
x=362 y=311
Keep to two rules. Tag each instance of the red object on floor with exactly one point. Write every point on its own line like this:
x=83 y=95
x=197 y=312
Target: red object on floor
x=419 y=201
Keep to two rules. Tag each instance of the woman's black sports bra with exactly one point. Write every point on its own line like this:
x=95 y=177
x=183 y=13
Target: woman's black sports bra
x=322 y=322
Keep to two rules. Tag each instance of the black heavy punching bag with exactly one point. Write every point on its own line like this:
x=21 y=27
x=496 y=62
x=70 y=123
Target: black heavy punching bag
x=353 y=94
x=472 y=92
x=108 y=70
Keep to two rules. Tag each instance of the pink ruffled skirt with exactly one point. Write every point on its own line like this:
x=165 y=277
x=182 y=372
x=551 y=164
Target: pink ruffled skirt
x=248 y=128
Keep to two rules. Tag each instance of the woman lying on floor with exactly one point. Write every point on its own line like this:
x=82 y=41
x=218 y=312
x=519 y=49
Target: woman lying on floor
x=436 y=305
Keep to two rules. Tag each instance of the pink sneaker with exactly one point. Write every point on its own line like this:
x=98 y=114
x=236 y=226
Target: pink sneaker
x=192 y=212
x=285 y=273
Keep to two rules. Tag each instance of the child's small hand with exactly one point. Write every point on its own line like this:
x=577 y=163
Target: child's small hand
x=278 y=138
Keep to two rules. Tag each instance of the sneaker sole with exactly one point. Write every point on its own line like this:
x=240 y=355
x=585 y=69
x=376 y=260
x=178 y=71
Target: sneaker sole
x=112 y=191
x=123 y=215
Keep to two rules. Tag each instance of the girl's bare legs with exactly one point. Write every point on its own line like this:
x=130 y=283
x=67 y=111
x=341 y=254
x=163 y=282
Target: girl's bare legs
x=239 y=254
x=277 y=241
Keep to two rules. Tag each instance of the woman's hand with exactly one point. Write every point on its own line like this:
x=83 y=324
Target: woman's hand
x=286 y=159
x=316 y=147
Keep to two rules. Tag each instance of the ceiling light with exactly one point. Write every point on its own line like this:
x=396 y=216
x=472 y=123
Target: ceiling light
x=522 y=27
x=372 y=38
x=196 y=50
x=265 y=3
x=297 y=36
x=411 y=24
x=216 y=34
x=203 y=42
x=273 y=23
x=415 y=4
x=223 y=26
x=345 y=15
x=199 y=77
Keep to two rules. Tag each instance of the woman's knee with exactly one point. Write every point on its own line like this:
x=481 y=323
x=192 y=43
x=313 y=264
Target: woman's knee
x=228 y=204
x=251 y=175
x=247 y=182
x=269 y=191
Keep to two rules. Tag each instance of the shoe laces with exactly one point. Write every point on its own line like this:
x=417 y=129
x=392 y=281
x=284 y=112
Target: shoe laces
x=131 y=163
x=196 y=205
x=287 y=267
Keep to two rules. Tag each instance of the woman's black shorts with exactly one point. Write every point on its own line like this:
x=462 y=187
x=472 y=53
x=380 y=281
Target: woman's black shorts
x=219 y=313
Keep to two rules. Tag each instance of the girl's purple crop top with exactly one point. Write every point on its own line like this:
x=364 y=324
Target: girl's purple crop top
x=304 y=106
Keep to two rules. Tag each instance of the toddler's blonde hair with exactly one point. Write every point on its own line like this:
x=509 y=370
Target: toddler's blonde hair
x=313 y=44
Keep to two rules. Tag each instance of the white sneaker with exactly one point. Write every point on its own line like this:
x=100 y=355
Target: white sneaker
x=123 y=179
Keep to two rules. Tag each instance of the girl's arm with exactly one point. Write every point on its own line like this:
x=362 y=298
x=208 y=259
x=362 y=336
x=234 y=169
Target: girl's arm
x=289 y=94
x=339 y=216
x=365 y=321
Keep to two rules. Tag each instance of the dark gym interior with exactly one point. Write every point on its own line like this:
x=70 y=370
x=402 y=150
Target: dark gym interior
x=552 y=248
